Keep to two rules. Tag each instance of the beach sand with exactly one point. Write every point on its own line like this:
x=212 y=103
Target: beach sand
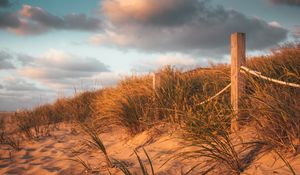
x=52 y=154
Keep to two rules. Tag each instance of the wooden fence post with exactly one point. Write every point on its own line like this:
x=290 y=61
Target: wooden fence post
x=156 y=80
x=238 y=59
x=153 y=81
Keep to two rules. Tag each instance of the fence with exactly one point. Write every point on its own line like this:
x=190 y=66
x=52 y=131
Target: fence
x=238 y=73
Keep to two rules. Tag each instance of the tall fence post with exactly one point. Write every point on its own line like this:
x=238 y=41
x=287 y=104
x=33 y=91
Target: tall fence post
x=153 y=81
x=156 y=80
x=238 y=59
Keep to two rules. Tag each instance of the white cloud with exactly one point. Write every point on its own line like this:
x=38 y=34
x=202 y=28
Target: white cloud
x=275 y=24
x=57 y=65
x=53 y=71
x=60 y=70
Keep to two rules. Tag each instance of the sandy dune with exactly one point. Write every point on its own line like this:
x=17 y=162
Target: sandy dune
x=47 y=156
x=52 y=154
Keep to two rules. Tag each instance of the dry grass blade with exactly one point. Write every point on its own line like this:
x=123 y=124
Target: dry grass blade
x=150 y=162
x=286 y=162
x=122 y=166
x=86 y=165
x=96 y=142
x=143 y=169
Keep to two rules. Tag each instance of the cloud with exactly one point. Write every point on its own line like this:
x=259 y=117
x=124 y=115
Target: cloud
x=297 y=31
x=19 y=84
x=49 y=73
x=24 y=59
x=9 y=20
x=35 y=20
x=59 y=69
x=52 y=71
x=10 y=101
x=181 y=26
x=287 y=2
x=17 y=91
x=28 y=28
x=6 y=60
x=157 y=12
x=275 y=24
x=11 y=60
x=4 y=3
x=62 y=60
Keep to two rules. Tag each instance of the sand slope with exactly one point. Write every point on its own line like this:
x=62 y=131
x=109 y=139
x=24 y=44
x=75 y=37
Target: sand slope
x=46 y=156
x=52 y=154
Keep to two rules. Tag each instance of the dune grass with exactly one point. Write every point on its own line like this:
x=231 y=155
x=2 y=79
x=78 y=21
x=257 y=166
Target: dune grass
x=96 y=142
x=8 y=138
x=144 y=169
x=273 y=109
x=129 y=104
x=42 y=119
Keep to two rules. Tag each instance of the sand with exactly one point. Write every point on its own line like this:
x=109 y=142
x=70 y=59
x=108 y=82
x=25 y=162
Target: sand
x=53 y=154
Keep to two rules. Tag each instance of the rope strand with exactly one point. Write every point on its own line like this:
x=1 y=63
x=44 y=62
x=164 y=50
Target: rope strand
x=217 y=94
x=258 y=74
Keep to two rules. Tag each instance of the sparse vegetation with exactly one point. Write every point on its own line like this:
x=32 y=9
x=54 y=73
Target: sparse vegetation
x=8 y=138
x=143 y=167
x=12 y=140
x=130 y=104
x=96 y=142
x=274 y=110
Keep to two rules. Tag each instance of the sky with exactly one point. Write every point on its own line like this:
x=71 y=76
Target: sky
x=49 y=48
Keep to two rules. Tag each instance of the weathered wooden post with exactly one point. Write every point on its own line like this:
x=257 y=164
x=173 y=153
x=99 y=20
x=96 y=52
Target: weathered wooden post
x=156 y=83
x=153 y=81
x=156 y=80
x=238 y=59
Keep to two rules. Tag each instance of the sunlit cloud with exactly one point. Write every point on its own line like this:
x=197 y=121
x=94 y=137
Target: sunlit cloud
x=150 y=33
x=148 y=11
x=181 y=26
x=110 y=38
x=275 y=24
x=31 y=20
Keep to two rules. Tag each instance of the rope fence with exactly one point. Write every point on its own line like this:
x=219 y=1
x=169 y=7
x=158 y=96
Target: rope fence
x=258 y=74
x=217 y=94
x=255 y=73
x=238 y=82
